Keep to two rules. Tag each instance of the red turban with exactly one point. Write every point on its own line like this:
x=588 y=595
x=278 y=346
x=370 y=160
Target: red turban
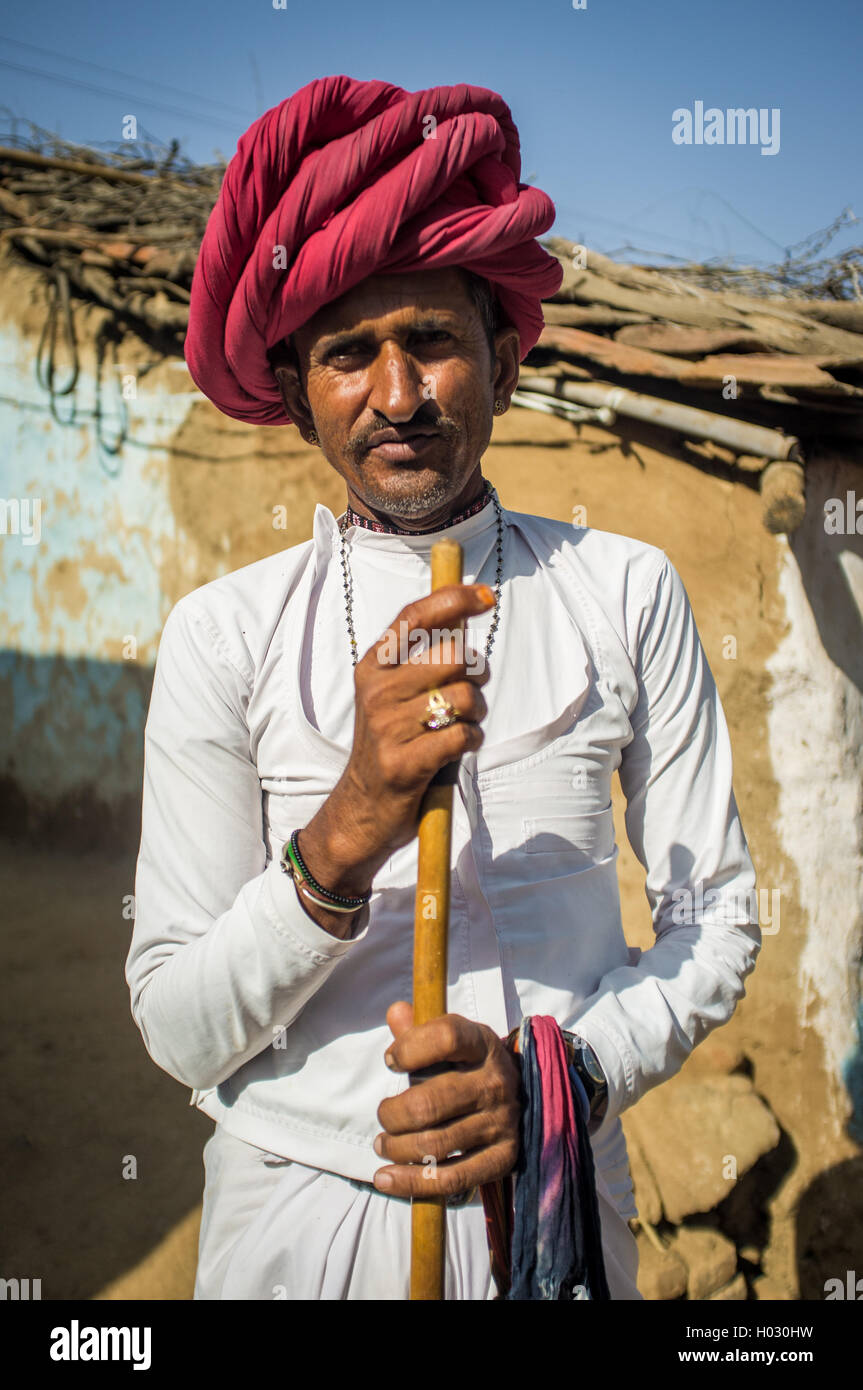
x=352 y=179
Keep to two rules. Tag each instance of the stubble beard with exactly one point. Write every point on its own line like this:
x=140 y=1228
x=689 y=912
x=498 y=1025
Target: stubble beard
x=428 y=497
x=428 y=494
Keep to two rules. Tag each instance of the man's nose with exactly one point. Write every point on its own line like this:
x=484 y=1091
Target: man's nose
x=398 y=384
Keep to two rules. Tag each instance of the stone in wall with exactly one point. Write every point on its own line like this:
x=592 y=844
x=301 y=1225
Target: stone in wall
x=661 y=1275
x=690 y=1141
x=697 y=1137
x=734 y=1291
x=710 y=1259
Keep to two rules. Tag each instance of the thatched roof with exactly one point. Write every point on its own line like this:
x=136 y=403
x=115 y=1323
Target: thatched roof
x=741 y=358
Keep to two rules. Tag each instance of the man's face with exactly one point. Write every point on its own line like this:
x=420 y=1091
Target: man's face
x=401 y=354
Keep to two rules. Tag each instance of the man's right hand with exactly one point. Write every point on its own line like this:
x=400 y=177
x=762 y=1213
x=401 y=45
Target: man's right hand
x=374 y=808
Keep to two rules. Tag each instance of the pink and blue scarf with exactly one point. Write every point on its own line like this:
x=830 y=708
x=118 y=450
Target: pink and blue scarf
x=542 y=1221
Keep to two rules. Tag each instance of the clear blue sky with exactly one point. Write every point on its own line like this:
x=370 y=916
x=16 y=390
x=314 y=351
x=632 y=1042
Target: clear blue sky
x=592 y=92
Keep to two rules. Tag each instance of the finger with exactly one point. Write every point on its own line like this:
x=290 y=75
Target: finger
x=461 y=1136
x=427 y=648
x=415 y=666
x=450 y=1038
x=445 y=607
x=429 y=1104
x=400 y=1017
x=453 y=1176
x=433 y=748
x=467 y=700
x=407 y=721
x=445 y=1098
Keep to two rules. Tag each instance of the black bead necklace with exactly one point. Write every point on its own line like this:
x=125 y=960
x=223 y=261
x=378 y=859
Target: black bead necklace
x=345 y=522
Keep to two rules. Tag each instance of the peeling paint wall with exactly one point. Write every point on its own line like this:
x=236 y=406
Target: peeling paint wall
x=84 y=537
x=816 y=742
x=118 y=499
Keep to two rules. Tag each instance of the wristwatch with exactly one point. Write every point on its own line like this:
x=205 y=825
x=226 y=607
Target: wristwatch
x=590 y=1074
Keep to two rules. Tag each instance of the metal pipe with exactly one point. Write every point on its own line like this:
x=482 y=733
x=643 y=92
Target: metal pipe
x=565 y=409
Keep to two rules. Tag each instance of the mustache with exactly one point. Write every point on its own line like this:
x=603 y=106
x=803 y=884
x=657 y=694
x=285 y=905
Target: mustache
x=442 y=425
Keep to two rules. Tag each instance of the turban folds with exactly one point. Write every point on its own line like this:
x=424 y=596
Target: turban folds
x=347 y=179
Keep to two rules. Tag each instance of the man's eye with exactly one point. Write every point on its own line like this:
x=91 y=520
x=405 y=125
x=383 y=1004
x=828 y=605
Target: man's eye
x=350 y=349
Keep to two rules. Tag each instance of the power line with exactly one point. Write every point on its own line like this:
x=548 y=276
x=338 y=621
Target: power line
x=708 y=193
x=131 y=77
x=685 y=241
x=256 y=78
x=640 y=231
x=125 y=97
x=745 y=220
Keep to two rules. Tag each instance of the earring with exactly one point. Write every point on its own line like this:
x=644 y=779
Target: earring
x=499 y=407
x=313 y=438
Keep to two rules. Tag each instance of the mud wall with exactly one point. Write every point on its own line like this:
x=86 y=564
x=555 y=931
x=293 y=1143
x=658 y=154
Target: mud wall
x=146 y=495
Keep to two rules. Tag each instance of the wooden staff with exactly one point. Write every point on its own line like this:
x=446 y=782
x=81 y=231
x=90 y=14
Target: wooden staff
x=431 y=924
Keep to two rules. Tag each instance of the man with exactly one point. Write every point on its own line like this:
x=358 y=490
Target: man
x=379 y=289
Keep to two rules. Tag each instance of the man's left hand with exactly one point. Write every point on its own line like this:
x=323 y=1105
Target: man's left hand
x=474 y=1109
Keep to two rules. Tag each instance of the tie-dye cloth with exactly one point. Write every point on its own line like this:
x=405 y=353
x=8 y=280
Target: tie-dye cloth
x=545 y=1239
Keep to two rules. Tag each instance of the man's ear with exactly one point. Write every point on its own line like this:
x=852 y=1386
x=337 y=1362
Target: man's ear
x=505 y=364
x=283 y=360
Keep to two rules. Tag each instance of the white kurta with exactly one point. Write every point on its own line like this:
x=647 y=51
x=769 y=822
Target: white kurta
x=275 y=1229
x=278 y=1026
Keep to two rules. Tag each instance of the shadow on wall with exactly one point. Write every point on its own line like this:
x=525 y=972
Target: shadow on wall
x=72 y=750
x=830 y=1218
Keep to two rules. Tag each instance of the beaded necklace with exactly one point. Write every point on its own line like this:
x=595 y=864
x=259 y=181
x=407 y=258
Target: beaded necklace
x=352 y=518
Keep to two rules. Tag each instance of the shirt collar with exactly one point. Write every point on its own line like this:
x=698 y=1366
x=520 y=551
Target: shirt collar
x=369 y=524
x=326 y=533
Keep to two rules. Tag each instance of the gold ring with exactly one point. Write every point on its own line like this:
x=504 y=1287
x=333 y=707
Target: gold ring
x=439 y=712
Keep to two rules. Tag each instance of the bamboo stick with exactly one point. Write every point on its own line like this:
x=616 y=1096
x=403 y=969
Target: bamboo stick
x=783 y=495
x=740 y=435
x=74 y=166
x=431 y=924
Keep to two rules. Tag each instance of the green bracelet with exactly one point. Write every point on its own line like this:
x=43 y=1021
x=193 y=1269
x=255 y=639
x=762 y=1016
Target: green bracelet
x=292 y=863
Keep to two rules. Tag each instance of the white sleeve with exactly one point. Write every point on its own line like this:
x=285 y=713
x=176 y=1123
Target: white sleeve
x=644 y=1019
x=222 y=952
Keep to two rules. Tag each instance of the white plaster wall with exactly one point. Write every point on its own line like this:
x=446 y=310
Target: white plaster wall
x=815 y=723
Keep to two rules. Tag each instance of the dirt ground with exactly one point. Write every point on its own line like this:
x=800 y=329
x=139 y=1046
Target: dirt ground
x=82 y=1098
x=81 y=1094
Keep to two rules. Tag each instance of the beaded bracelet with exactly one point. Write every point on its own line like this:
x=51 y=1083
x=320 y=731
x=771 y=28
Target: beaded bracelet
x=292 y=863
x=321 y=902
